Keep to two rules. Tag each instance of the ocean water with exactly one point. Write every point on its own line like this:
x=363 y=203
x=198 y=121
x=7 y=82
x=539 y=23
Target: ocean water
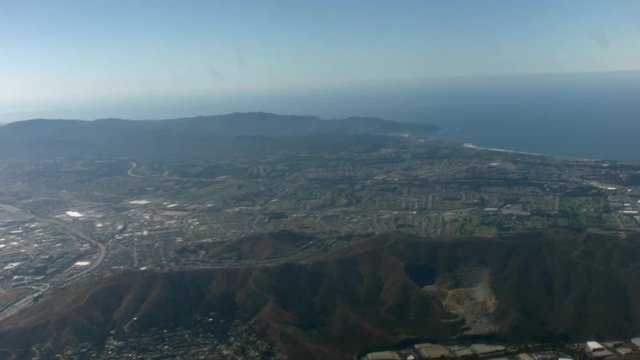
x=594 y=116
x=583 y=116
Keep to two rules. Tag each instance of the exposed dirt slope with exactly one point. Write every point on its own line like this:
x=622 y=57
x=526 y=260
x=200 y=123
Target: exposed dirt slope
x=376 y=293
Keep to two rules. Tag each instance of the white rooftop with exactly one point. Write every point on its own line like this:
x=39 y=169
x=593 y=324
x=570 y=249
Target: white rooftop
x=73 y=214
x=594 y=345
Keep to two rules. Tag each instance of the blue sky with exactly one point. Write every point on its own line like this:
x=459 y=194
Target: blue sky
x=60 y=56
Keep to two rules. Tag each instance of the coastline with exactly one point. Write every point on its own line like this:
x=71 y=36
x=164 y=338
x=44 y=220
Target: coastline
x=469 y=145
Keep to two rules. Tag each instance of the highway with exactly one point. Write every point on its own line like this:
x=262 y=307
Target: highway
x=41 y=288
x=102 y=250
x=27 y=300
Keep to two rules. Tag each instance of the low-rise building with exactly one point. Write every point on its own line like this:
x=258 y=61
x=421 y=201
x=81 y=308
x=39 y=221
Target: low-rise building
x=432 y=351
x=483 y=349
x=462 y=352
x=383 y=355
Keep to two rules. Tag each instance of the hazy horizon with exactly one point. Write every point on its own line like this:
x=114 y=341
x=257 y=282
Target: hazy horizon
x=151 y=59
x=591 y=115
x=325 y=102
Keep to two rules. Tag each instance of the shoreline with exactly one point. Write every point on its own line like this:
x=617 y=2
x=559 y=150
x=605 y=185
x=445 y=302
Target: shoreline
x=469 y=145
x=472 y=146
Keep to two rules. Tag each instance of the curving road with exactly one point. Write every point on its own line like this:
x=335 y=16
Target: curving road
x=41 y=288
x=133 y=167
x=102 y=250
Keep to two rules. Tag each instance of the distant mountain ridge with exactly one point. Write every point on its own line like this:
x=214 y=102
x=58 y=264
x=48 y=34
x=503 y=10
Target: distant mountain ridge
x=233 y=124
x=183 y=136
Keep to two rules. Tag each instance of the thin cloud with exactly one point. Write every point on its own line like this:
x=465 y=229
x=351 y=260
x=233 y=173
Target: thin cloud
x=600 y=38
x=216 y=75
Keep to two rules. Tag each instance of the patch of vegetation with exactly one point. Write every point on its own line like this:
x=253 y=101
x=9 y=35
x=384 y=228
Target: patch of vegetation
x=477 y=227
x=541 y=222
x=329 y=197
x=582 y=204
x=204 y=193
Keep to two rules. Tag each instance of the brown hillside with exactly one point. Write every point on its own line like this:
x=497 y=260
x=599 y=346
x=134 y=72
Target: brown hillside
x=378 y=292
